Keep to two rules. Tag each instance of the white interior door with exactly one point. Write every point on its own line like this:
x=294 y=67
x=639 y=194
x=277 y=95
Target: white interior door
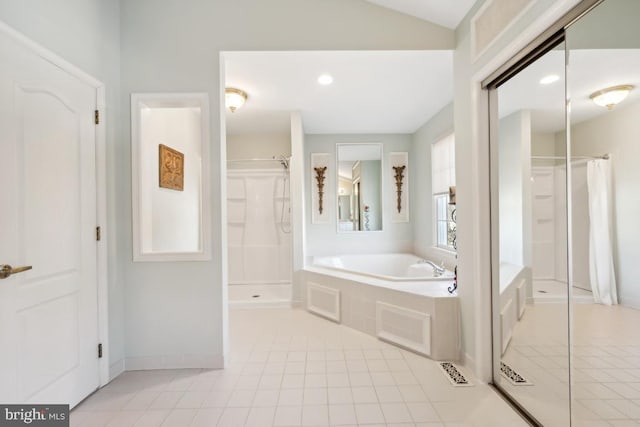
x=48 y=315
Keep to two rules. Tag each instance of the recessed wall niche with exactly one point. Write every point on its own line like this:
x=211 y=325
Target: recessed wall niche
x=170 y=172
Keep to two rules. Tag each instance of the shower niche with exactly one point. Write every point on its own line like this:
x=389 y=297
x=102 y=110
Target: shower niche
x=170 y=173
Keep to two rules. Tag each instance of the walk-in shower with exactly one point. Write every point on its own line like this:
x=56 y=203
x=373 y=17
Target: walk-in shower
x=259 y=231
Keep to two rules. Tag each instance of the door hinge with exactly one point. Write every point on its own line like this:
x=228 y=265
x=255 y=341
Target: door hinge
x=98 y=233
x=100 y=351
x=96 y=117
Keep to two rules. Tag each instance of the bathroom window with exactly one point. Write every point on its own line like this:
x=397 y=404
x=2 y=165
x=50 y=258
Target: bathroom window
x=443 y=176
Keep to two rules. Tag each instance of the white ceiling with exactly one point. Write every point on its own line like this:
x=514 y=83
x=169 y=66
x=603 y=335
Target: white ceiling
x=372 y=92
x=589 y=70
x=447 y=13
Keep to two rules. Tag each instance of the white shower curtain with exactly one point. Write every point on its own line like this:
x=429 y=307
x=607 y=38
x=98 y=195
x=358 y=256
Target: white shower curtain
x=601 y=272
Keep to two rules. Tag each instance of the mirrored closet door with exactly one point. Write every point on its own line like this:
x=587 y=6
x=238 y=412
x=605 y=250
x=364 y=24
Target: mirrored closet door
x=603 y=85
x=565 y=202
x=531 y=299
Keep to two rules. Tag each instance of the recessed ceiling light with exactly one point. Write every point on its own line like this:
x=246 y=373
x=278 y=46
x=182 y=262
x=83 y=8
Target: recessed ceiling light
x=325 y=79
x=552 y=78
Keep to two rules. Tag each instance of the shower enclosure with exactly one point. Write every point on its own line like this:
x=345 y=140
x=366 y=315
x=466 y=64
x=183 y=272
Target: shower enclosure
x=259 y=232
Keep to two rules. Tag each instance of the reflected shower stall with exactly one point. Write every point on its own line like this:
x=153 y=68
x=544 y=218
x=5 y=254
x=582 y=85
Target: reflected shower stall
x=259 y=232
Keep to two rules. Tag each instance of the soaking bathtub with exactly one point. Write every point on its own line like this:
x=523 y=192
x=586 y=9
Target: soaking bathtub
x=394 y=297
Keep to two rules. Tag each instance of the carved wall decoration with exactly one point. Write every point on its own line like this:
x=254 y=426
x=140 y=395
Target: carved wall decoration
x=320 y=181
x=399 y=176
x=398 y=184
x=171 y=164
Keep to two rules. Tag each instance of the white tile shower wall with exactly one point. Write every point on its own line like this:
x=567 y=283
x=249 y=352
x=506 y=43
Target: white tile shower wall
x=259 y=226
x=323 y=239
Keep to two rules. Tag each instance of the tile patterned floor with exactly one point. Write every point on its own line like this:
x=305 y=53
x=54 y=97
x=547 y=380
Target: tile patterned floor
x=605 y=361
x=290 y=368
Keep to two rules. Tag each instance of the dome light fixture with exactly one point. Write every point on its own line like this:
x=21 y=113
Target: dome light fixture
x=234 y=98
x=611 y=96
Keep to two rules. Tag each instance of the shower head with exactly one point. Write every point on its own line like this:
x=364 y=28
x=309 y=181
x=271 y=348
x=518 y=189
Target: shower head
x=284 y=161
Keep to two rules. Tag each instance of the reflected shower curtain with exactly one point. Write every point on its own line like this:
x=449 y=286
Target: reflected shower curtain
x=601 y=272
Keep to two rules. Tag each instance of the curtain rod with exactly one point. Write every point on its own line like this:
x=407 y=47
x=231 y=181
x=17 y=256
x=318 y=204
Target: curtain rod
x=258 y=160
x=604 y=157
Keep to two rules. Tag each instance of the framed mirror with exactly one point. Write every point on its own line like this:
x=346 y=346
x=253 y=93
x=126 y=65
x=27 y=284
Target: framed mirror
x=170 y=172
x=359 y=183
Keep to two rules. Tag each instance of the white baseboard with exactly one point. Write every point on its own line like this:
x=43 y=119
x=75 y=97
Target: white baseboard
x=116 y=369
x=250 y=305
x=630 y=302
x=184 y=361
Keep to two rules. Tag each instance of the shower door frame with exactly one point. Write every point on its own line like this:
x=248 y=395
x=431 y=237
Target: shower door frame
x=545 y=42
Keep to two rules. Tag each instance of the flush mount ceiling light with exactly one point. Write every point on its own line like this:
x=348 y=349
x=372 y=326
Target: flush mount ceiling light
x=547 y=80
x=234 y=98
x=611 y=96
x=325 y=79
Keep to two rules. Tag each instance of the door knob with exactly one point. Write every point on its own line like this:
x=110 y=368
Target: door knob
x=6 y=270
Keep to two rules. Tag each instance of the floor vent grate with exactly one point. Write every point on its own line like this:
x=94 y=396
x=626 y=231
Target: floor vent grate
x=512 y=376
x=455 y=377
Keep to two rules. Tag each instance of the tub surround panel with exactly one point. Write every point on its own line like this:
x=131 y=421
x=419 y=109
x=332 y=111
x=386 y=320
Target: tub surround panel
x=359 y=296
x=407 y=328
x=507 y=321
x=515 y=284
x=323 y=301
